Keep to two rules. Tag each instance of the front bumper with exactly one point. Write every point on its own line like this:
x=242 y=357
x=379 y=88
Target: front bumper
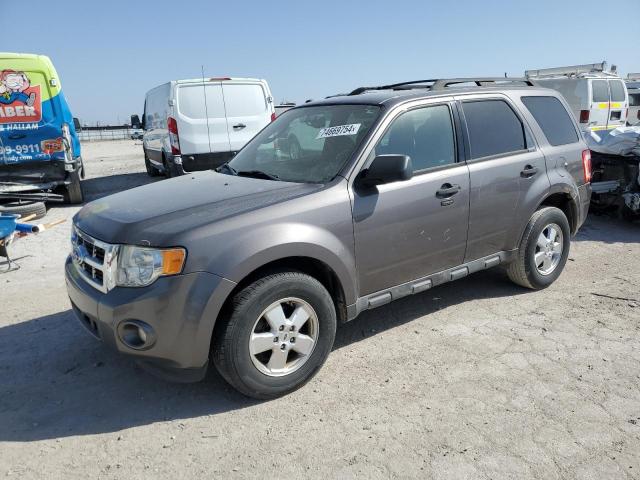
x=182 y=311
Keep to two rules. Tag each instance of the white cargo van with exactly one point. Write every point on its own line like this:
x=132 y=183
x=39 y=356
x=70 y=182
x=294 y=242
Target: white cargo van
x=633 y=87
x=200 y=124
x=597 y=97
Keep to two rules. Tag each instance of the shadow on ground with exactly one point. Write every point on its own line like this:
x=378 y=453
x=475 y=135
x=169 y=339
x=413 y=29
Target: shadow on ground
x=56 y=381
x=99 y=187
x=608 y=229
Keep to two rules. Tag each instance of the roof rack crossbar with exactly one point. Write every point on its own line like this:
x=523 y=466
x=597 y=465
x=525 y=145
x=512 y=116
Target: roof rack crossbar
x=571 y=70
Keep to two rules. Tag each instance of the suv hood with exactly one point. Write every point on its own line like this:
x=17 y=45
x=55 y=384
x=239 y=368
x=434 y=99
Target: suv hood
x=158 y=213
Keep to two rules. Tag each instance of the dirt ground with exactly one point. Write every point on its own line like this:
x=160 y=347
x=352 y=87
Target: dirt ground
x=475 y=379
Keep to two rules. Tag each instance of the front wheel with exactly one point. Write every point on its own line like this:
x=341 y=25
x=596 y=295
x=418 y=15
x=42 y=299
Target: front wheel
x=543 y=250
x=276 y=336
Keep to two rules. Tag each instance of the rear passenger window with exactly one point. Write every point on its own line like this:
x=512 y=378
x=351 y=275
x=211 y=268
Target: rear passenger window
x=634 y=99
x=493 y=128
x=425 y=134
x=617 y=91
x=599 y=91
x=553 y=119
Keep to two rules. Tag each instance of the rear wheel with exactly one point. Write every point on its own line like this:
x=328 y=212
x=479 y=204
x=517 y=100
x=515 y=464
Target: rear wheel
x=151 y=170
x=24 y=208
x=543 y=250
x=276 y=336
x=73 y=192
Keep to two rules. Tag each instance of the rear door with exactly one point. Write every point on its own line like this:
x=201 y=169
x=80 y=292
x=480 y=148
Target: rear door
x=507 y=173
x=248 y=111
x=202 y=125
x=599 y=116
x=30 y=121
x=618 y=105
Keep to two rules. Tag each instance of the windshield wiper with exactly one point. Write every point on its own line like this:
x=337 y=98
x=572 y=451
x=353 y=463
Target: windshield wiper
x=227 y=167
x=257 y=174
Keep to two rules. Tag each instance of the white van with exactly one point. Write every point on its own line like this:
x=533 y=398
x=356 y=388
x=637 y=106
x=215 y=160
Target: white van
x=633 y=87
x=597 y=97
x=200 y=124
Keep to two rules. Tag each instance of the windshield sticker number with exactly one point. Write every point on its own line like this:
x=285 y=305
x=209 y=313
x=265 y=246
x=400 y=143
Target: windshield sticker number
x=339 y=130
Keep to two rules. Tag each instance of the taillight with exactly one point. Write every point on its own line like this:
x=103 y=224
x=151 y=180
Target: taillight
x=273 y=116
x=584 y=116
x=586 y=165
x=172 y=126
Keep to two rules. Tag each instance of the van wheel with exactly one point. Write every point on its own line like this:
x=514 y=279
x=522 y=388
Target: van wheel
x=543 y=250
x=278 y=332
x=73 y=192
x=167 y=166
x=151 y=170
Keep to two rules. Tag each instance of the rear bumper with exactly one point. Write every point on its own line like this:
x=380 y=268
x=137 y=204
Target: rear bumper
x=35 y=176
x=584 y=199
x=201 y=161
x=181 y=311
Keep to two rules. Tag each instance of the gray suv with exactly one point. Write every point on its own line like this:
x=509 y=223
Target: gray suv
x=337 y=207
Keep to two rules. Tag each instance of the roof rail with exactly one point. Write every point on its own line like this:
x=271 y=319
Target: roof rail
x=572 y=71
x=442 y=83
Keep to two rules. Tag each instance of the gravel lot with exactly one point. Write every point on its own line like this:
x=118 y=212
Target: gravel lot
x=475 y=379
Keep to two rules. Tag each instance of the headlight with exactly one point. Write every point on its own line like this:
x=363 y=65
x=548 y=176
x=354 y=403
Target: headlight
x=141 y=266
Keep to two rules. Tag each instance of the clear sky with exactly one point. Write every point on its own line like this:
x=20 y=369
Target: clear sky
x=109 y=53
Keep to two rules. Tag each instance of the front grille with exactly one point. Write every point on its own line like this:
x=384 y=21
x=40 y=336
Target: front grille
x=93 y=259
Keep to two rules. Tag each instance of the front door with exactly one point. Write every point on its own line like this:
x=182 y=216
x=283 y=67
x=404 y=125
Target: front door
x=406 y=230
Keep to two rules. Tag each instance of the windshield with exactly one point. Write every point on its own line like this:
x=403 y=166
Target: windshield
x=306 y=145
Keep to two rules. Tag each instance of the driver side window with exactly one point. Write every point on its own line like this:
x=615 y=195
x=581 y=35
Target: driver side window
x=425 y=134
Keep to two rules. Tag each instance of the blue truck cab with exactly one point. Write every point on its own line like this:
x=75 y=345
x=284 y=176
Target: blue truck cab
x=39 y=148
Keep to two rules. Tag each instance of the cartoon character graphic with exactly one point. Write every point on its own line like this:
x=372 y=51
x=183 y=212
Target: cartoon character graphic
x=12 y=88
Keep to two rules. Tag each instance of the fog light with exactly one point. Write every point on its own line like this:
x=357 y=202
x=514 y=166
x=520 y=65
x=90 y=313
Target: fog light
x=136 y=334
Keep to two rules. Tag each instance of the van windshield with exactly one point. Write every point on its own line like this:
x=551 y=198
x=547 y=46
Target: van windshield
x=305 y=145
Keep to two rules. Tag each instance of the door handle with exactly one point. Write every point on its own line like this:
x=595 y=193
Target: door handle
x=529 y=171
x=239 y=126
x=448 y=190
x=17 y=136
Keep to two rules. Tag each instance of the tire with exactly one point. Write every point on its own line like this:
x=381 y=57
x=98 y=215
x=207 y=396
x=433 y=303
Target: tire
x=73 y=193
x=151 y=170
x=250 y=373
x=168 y=172
x=24 y=208
x=526 y=270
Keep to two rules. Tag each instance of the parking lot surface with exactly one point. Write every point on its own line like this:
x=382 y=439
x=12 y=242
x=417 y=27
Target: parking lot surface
x=474 y=379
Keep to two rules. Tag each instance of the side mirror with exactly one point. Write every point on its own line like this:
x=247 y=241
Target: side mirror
x=135 y=121
x=386 y=169
x=76 y=124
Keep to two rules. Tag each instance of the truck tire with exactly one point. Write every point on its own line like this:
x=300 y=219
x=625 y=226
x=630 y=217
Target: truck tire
x=73 y=193
x=24 y=208
x=276 y=334
x=543 y=250
x=151 y=170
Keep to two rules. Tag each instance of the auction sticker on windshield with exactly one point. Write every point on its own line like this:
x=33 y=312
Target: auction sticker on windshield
x=339 y=130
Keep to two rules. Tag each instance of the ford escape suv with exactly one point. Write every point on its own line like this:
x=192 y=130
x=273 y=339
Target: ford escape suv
x=337 y=207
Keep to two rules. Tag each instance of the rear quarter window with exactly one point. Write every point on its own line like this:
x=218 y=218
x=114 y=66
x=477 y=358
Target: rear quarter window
x=493 y=128
x=617 y=91
x=553 y=118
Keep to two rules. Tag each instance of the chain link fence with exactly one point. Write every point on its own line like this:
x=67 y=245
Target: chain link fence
x=95 y=135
